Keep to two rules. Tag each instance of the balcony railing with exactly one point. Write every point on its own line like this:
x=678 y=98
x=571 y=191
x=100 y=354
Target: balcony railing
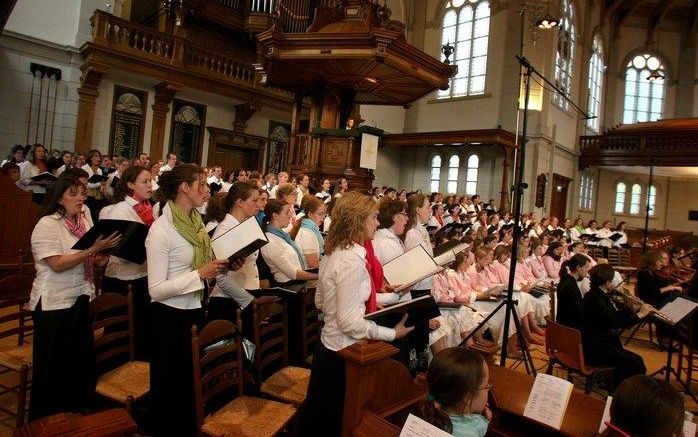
x=154 y=46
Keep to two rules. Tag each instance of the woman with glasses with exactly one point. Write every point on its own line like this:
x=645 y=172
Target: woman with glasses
x=306 y=232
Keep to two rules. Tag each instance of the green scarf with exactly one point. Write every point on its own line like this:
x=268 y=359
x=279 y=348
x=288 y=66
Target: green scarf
x=192 y=229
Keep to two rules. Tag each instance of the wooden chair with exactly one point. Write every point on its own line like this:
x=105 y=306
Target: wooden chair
x=217 y=366
x=270 y=335
x=552 y=292
x=310 y=326
x=108 y=423
x=17 y=358
x=596 y=253
x=113 y=325
x=564 y=348
x=614 y=257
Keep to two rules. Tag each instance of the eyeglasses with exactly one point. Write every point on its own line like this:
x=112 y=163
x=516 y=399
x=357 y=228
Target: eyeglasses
x=487 y=387
x=402 y=213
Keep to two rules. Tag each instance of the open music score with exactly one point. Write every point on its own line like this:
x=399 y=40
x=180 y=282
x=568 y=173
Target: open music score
x=548 y=400
x=416 y=427
x=677 y=309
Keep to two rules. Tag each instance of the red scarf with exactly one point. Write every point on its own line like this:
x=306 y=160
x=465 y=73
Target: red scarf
x=375 y=272
x=78 y=228
x=439 y=219
x=42 y=165
x=145 y=211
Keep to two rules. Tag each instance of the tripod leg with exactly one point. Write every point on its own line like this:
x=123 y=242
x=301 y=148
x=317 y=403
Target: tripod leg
x=527 y=357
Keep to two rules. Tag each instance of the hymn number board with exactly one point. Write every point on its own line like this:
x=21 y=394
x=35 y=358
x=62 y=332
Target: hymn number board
x=188 y=120
x=128 y=118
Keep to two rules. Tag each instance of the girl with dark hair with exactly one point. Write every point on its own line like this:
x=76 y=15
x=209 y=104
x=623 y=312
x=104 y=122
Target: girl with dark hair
x=64 y=375
x=179 y=261
x=623 y=240
x=643 y=406
x=552 y=260
x=324 y=192
x=121 y=165
x=652 y=287
x=341 y=187
x=34 y=165
x=570 y=306
x=342 y=294
x=602 y=324
x=95 y=196
x=282 y=254
x=66 y=162
x=16 y=155
x=132 y=203
x=458 y=381
x=230 y=291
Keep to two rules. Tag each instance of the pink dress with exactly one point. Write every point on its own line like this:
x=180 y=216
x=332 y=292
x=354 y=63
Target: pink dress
x=537 y=267
x=552 y=267
x=459 y=321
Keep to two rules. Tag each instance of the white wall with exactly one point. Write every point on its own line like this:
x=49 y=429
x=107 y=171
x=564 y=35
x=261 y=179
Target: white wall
x=53 y=21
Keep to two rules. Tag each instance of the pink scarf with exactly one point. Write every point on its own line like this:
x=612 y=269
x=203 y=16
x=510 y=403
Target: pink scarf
x=78 y=228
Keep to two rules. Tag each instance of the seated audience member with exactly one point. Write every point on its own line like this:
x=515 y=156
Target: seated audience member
x=306 y=231
x=282 y=254
x=342 y=293
x=643 y=406
x=458 y=381
x=603 y=322
x=570 y=303
x=552 y=260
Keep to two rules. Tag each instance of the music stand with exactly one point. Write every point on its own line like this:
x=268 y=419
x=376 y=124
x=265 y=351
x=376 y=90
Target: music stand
x=668 y=368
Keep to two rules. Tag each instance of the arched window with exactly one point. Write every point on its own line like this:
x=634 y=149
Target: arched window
x=564 y=56
x=596 y=69
x=652 y=199
x=635 y=198
x=466 y=26
x=435 y=179
x=453 y=163
x=471 y=175
x=586 y=190
x=644 y=98
x=619 y=207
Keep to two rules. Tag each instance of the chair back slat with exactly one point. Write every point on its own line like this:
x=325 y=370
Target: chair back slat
x=312 y=324
x=270 y=336
x=14 y=295
x=217 y=365
x=112 y=313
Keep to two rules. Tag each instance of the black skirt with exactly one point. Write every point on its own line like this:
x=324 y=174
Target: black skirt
x=172 y=404
x=64 y=376
x=141 y=300
x=324 y=403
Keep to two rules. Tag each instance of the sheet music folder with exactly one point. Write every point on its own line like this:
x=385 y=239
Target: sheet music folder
x=45 y=176
x=131 y=247
x=95 y=178
x=240 y=241
x=678 y=309
x=288 y=290
x=418 y=310
x=410 y=268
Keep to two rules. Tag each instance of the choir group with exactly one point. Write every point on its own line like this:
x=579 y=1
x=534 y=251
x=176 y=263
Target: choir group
x=349 y=236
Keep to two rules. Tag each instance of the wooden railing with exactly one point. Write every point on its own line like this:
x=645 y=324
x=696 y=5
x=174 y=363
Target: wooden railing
x=155 y=46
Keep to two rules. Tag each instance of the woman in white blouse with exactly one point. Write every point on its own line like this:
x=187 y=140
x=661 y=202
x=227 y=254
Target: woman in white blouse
x=324 y=194
x=132 y=202
x=179 y=261
x=387 y=245
x=306 y=231
x=63 y=352
x=342 y=292
x=95 y=196
x=121 y=165
x=282 y=254
x=34 y=166
x=230 y=291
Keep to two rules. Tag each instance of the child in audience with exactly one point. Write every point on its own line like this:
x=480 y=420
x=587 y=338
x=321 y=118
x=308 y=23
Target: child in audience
x=458 y=382
x=643 y=406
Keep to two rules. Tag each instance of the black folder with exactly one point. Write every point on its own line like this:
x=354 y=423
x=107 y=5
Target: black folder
x=286 y=291
x=315 y=270
x=445 y=247
x=491 y=229
x=589 y=237
x=615 y=237
x=557 y=233
x=131 y=247
x=45 y=176
x=431 y=228
x=97 y=178
x=106 y=171
x=419 y=310
x=215 y=187
x=114 y=181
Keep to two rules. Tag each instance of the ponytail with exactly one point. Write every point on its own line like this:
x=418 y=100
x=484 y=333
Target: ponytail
x=572 y=264
x=430 y=412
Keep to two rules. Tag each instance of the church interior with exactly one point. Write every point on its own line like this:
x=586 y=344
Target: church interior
x=578 y=110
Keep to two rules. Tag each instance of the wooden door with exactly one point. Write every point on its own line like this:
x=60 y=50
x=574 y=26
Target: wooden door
x=235 y=158
x=558 y=200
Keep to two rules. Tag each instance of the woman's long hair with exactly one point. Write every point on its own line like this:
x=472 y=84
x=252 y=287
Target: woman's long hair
x=129 y=176
x=413 y=202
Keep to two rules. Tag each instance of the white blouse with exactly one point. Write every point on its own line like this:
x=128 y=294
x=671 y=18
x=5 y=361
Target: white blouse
x=120 y=268
x=171 y=279
x=56 y=291
x=28 y=170
x=418 y=236
x=234 y=284
x=387 y=246
x=342 y=291
x=281 y=258
x=307 y=241
x=91 y=173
